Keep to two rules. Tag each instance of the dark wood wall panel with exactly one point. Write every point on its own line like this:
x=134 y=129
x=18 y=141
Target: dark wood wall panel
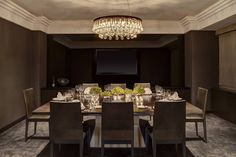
x=81 y=65
x=56 y=60
x=15 y=68
x=201 y=62
x=155 y=66
x=224 y=104
x=22 y=65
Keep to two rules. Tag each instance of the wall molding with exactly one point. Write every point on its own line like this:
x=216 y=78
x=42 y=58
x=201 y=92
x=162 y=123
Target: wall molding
x=16 y=14
x=210 y=16
x=215 y=13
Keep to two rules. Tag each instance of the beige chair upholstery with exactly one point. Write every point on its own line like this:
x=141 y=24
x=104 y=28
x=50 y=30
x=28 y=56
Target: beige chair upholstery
x=30 y=105
x=197 y=113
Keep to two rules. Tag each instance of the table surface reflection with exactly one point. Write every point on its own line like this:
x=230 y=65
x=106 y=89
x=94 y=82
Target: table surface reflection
x=146 y=110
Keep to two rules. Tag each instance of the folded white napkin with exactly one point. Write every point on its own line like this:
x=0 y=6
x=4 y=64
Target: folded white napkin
x=59 y=95
x=147 y=91
x=87 y=90
x=174 y=96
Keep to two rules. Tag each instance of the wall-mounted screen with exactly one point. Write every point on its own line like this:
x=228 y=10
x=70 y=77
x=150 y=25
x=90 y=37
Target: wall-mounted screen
x=116 y=62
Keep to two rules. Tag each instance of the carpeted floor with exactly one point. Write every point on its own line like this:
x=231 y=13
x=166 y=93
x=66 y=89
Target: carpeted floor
x=221 y=142
x=73 y=151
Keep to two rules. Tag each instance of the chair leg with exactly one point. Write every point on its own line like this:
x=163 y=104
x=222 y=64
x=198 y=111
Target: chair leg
x=35 y=127
x=59 y=145
x=102 y=150
x=146 y=141
x=176 y=147
x=51 y=149
x=26 y=130
x=154 y=146
x=184 y=149
x=132 y=149
x=205 y=130
x=196 y=126
x=81 y=148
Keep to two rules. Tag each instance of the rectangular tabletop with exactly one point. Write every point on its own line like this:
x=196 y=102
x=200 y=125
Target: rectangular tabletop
x=45 y=109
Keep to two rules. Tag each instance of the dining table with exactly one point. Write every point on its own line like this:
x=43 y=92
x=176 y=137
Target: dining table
x=139 y=111
x=146 y=110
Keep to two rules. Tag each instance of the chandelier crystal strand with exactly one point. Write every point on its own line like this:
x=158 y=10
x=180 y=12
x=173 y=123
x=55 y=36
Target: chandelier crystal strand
x=118 y=27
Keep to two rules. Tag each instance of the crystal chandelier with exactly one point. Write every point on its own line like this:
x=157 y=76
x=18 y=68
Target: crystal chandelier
x=118 y=27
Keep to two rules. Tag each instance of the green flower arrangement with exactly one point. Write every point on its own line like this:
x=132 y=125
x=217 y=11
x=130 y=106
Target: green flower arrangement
x=106 y=93
x=95 y=90
x=117 y=91
x=128 y=91
x=138 y=90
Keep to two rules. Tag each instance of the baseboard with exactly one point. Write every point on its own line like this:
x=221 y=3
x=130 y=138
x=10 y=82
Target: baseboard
x=11 y=124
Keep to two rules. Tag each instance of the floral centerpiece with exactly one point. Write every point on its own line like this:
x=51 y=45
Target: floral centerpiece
x=128 y=94
x=118 y=93
x=95 y=91
x=138 y=90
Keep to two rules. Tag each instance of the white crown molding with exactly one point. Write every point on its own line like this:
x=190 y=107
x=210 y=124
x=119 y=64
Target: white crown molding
x=16 y=14
x=215 y=13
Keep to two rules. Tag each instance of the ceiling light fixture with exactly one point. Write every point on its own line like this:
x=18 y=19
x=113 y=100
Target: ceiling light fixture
x=117 y=26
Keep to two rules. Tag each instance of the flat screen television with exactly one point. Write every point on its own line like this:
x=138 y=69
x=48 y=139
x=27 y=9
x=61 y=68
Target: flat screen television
x=116 y=62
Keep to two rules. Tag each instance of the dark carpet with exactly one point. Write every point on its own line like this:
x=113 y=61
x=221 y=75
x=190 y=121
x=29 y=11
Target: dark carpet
x=73 y=151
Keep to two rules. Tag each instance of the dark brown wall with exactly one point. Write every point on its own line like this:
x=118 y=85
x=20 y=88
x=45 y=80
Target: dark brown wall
x=19 y=52
x=223 y=104
x=15 y=69
x=201 y=62
x=56 y=62
x=80 y=65
x=177 y=62
x=155 y=66
x=39 y=62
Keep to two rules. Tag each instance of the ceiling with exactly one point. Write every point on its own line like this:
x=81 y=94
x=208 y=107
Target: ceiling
x=90 y=9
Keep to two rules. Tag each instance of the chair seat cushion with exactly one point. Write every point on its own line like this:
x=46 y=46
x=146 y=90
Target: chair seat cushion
x=38 y=117
x=117 y=135
x=193 y=111
x=70 y=136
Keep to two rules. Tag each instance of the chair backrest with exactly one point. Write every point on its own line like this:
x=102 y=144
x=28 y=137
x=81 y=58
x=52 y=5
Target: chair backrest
x=113 y=85
x=117 y=116
x=144 y=85
x=85 y=85
x=169 y=120
x=64 y=116
x=29 y=99
x=202 y=99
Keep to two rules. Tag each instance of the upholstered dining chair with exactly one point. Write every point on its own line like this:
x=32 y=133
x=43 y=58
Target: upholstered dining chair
x=30 y=105
x=168 y=125
x=197 y=113
x=66 y=125
x=117 y=124
x=144 y=85
x=113 y=85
